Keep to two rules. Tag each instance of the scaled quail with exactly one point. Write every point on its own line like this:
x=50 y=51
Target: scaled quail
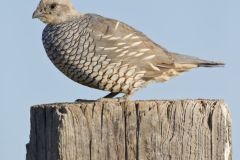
x=104 y=53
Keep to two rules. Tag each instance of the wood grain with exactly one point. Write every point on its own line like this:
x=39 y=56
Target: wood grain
x=133 y=130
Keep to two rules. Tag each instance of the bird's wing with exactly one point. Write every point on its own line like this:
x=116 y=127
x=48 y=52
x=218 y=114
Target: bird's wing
x=122 y=43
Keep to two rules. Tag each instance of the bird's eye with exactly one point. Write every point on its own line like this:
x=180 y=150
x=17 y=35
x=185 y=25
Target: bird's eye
x=53 y=6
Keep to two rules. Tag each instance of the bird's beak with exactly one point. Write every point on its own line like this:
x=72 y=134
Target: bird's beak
x=36 y=14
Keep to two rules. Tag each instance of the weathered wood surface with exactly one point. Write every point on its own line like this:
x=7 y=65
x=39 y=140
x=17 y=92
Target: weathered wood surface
x=138 y=130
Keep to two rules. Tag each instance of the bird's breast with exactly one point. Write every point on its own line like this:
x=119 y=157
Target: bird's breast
x=68 y=46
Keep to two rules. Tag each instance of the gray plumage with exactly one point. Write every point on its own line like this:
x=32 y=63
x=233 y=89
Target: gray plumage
x=106 y=54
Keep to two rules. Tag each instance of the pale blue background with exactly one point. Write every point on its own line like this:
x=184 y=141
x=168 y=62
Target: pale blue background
x=203 y=28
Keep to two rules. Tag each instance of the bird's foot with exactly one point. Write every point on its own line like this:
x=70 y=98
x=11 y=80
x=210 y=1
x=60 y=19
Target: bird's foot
x=83 y=100
x=107 y=98
x=118 y=99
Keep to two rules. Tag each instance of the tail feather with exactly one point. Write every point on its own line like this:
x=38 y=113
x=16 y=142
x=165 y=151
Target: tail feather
x=211 y=64
x=184 y=59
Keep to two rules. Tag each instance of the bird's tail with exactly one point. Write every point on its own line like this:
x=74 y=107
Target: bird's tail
x=211 y=64
x=184 y=59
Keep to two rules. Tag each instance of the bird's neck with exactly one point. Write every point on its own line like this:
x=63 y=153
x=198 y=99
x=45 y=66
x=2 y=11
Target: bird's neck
x=71 y=15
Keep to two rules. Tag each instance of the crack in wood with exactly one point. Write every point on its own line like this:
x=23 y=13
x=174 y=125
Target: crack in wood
x=137 y=130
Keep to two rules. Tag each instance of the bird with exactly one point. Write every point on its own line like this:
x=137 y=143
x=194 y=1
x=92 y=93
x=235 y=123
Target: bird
x=105 y=53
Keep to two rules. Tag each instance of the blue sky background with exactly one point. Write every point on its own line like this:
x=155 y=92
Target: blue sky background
x=203 y=28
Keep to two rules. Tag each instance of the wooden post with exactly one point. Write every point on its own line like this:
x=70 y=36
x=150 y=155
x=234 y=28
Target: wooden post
x=136 y=130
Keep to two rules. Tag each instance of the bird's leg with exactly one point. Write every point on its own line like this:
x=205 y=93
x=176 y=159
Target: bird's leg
x=111 y=95
x=105 y=98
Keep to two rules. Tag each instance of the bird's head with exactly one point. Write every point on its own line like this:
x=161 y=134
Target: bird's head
x=55 y=11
